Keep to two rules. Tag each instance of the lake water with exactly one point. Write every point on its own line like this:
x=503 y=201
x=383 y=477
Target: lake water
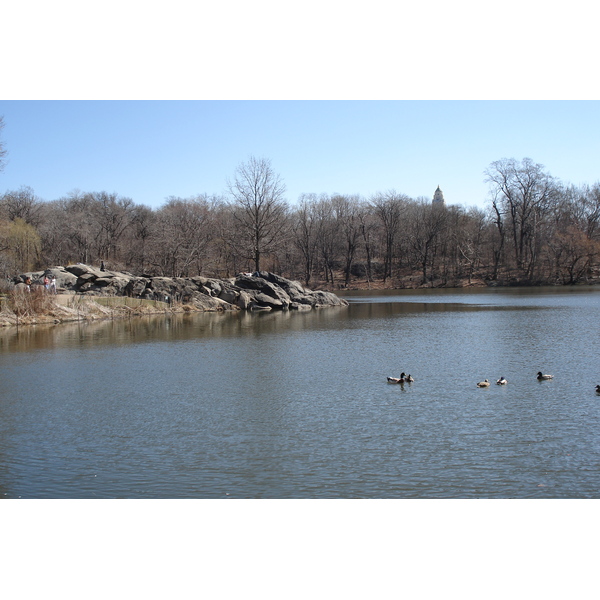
x=296 y=405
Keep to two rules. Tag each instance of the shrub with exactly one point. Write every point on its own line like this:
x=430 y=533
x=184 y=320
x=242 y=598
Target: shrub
x=28 y=303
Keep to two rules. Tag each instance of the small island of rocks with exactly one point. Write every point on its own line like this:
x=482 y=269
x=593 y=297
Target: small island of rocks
x=88 y=285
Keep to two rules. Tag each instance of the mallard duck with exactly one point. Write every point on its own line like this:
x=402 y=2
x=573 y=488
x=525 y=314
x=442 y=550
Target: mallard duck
x=501 y=381
x=598 y=389
x=484 y=383
x=400 y=379
x=542 y=377
x=409 y=378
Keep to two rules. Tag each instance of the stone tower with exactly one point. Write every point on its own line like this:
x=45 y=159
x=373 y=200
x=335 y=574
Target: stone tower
x=438 y=197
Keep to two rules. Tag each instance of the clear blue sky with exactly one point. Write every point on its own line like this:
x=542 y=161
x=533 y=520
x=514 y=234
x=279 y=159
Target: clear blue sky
x=149 y=150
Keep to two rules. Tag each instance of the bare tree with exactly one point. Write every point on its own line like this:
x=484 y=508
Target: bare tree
x=367 y=227
x=499 y=239
x=521 y=194
x=140 y=234
x=571 y=238
x=427 y=222
x=469 y=239
x=591 y=210
x=328 y=235
x=347 y=210
x=79 y=225
x=225 y=256
x=53 y=229
x=259 y=208
x=21 y=204
x=304 y=228
x=3 y=151
x=113 y=215
x=389 y=207
x=183 y=235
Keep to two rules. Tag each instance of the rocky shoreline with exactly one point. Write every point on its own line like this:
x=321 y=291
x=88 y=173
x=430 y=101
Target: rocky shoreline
x=82 y=290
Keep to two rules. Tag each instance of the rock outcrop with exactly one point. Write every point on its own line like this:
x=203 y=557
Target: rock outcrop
x=257 y=291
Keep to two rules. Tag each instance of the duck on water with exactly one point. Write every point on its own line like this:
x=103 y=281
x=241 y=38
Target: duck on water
x=403 y=378
x=542 y=377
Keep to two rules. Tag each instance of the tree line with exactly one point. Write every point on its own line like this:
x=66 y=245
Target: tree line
x=534 y=229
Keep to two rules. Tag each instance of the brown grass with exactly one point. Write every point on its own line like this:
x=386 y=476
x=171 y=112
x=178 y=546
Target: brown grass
x=21 y=307
x=25 y=303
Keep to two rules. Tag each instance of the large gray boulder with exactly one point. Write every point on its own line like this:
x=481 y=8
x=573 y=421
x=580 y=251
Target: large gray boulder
x=301 y=296
x=65 y=281
x=80 y=269
x=321 y=299
x=136 y=287
x=97 y=282
x=292 y=288
x=244 y=301
x=210 y=303
x=263 y=292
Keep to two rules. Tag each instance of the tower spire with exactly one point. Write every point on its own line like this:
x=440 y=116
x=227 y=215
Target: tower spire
x=438 y=197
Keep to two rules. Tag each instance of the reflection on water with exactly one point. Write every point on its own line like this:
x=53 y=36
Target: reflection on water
x=176 y=327
x=296 y=405
x=190 y=326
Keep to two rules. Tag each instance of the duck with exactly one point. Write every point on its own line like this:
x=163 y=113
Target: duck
x=598 y=389
x=400 y=379
x=542 y=377
x=484 y=383
x=501 y=381
x=409 y=378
